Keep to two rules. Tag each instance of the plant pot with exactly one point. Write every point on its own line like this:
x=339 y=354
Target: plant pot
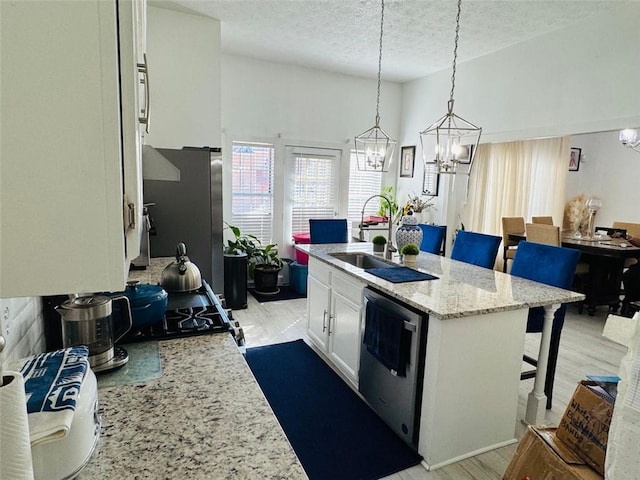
x=410 y=260
x=265 y=278
x=378 y=248
x=235 y=280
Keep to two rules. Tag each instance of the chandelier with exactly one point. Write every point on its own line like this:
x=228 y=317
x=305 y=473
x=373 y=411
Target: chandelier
x=374 y=147
x=630 y=138
x=453 y=134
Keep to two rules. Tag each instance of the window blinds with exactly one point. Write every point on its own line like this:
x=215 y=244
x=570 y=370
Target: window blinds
x=315 y=185
x=362 y=184
x=252 y=189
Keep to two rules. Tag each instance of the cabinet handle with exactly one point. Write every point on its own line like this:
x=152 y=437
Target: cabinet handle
x=331 y=317
x=132 y=215
x=146 y=111
x=324 y=321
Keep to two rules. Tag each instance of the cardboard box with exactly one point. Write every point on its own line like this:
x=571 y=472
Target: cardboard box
x=585 y=424
x=541 y=456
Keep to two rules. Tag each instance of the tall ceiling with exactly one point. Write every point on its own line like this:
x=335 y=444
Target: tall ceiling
x=343 y=35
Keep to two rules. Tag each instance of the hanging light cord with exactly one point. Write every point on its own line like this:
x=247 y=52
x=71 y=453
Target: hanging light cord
x=379 y=66
x=455 y=57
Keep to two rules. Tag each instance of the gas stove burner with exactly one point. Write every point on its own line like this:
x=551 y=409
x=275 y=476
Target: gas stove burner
x=188 y=319
x=187 y=314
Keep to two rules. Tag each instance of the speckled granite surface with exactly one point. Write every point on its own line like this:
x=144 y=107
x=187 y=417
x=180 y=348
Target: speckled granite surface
x=461 y=290
x=204 y=418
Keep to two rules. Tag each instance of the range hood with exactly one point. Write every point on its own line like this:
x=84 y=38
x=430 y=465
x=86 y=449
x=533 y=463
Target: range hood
x=156 y=166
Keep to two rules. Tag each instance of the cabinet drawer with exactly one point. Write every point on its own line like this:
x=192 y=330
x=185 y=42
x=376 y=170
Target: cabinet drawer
x=320 y=271
x=347 y=286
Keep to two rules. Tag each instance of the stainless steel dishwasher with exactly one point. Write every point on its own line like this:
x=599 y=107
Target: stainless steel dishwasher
x=393 y=386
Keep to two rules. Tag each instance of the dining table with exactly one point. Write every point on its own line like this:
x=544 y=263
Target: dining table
x=605 y=257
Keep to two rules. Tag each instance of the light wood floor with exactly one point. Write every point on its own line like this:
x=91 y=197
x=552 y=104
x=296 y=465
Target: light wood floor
x=583 y=351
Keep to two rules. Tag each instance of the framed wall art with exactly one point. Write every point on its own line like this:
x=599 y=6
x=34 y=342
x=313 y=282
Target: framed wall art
x=431 y=180
x=407 y=161
x=574 y=159
x=465 y=154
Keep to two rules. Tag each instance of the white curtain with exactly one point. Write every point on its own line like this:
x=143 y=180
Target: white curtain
x=517 y=179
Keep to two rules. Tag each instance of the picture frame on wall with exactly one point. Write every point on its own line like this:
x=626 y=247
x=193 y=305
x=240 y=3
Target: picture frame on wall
x=574 y=159
x=407 y=161
x=465 y=154
x=431 y=180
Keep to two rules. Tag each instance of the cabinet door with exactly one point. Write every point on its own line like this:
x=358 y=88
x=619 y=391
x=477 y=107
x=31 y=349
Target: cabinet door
x=344 y=334
x=61 y=188
x=318 y=297
x=134 y=84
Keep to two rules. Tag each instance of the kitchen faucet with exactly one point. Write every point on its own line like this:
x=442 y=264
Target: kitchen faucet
x=390 y=247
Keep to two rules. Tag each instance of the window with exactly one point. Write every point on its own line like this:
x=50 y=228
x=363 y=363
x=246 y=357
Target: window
x=315 y=185
x=362 y=184
x=252 y=189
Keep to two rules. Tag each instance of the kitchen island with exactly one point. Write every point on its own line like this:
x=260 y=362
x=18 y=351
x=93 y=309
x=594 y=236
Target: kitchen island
x=476 y=329
x=204 y=418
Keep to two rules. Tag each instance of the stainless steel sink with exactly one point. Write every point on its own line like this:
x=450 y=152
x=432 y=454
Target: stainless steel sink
x=363 y=260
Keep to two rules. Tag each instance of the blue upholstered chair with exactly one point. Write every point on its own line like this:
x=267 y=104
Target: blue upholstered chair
x=476 y=248
x=553 y=266
x=433 y=238
x=328 y=230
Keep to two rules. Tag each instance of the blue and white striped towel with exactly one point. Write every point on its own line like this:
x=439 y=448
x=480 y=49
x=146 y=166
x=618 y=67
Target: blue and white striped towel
x=52 y=384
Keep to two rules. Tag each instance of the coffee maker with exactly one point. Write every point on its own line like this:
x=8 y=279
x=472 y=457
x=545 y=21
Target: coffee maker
x=87 y=320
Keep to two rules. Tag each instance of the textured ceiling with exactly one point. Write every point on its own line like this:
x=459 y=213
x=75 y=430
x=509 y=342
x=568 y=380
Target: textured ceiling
x=343 y=35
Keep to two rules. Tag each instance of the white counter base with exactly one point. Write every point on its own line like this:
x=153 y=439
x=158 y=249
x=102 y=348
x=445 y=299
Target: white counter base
x=471 y=382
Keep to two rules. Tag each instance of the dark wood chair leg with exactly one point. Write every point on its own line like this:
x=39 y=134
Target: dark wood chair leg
x=551 y=365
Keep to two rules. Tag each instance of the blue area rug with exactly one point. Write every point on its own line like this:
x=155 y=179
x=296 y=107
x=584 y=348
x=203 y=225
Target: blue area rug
x=334 y=433
x=400 y=274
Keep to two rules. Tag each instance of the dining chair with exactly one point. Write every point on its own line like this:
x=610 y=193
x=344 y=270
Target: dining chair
x=433 y=238
x=543 y=233
x=543 y=220
x=510 y=225
x=328 y=230
x=476 y=248
x=632 y=229
x=553 y=266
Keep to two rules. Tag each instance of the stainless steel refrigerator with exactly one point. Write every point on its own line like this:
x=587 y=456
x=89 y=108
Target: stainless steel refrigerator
x=188 y=208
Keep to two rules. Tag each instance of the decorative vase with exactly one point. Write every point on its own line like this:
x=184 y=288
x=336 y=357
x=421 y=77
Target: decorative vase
x=408 y=232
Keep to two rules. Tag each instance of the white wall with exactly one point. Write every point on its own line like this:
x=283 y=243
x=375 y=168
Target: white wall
x=289 y=105
x=183 y=52
x=576 y=80
x=609 y=171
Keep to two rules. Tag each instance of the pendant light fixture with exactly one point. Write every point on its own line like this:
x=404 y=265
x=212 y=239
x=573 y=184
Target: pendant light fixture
x=630 y=138
x=455 y=137
x=374 y=147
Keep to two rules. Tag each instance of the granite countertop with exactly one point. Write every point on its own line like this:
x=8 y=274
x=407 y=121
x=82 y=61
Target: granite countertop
x=461 y=289
x=204 y=418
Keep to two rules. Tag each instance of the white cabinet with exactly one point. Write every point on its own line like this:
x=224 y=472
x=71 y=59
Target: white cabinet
x=70 y=183
x=334 y=309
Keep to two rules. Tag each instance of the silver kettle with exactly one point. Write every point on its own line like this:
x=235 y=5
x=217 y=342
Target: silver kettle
x=181 y=275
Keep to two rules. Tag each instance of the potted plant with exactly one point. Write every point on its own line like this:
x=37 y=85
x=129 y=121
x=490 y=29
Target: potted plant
x=389 y=207
x=264 y=267
x=421 y=208
x=379 y=242
x=236 y=261
x=410 y=254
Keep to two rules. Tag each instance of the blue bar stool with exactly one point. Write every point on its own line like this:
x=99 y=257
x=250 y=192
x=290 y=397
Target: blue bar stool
x=553 y=266
x=476 y=248
x=328 y=230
